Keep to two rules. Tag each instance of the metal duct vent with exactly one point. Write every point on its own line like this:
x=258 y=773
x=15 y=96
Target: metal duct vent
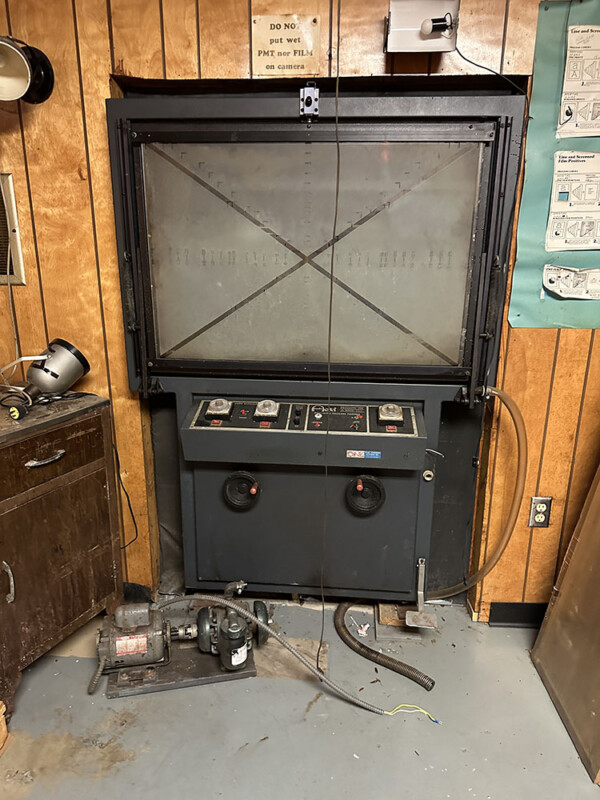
x=11 y=257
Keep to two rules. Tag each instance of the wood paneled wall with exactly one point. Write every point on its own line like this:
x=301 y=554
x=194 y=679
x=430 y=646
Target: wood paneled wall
x=58 y=155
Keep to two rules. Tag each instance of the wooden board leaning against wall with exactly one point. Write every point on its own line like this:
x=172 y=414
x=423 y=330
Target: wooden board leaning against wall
x=58 y=155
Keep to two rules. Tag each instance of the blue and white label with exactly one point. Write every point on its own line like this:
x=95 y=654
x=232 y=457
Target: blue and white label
x=363 y=453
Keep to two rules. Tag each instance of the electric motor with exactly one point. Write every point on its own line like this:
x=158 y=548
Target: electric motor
x=232 y=641
x=136 y=635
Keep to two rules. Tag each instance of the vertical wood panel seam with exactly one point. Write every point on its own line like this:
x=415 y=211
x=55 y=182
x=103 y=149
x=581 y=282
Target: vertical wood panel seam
x=29 y=197
x=91 y=196
x=495 y=457
x=541 y=459
x=250 y=65
x=161 y=17
x=111 y=41
x=504 y=35
x=330 y=48
x=124 y=563
x=198 y=55
x=33 y=224
x=575 y=444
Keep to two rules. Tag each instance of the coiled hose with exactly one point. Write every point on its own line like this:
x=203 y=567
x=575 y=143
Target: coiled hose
x=373 y=655
x=519 y=490
x=243 y=612
x=485 y=569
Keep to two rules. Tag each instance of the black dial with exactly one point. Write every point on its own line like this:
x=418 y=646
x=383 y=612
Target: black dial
x=365 y=495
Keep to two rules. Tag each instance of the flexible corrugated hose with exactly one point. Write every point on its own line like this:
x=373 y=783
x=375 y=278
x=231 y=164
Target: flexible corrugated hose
x=373 y=655
x=221 y=601
x=93 y=684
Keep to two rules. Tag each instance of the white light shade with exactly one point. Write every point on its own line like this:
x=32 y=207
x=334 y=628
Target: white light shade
x=15 y=73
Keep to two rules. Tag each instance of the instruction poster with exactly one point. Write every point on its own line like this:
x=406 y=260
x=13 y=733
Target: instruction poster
x=549 y=284
x=580 y=102
x=574 y=218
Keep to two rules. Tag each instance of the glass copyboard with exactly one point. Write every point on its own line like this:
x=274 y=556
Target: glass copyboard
x=240 y=248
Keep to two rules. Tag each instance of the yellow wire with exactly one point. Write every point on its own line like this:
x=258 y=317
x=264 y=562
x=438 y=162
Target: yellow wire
x=406 y=706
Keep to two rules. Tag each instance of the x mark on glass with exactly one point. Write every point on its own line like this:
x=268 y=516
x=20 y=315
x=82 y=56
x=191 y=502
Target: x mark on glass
x=304 y=258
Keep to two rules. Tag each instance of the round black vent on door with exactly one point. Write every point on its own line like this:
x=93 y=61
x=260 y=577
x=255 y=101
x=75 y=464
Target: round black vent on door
x=364 y=495
x=241 y=491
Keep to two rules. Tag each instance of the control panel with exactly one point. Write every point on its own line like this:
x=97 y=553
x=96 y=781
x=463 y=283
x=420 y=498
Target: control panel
x=391 y=419
x=390 y=435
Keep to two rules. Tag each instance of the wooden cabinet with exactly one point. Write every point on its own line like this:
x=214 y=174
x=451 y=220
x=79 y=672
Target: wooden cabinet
x=60 y=560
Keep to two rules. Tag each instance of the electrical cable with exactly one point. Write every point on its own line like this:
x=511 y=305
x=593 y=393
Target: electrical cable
x=11 y=305
x=330 y=326
x=494 y=72
x=93 y=684
x=244 y=612
x=518 y=492
x=381 y=659
x=122 y=485
x=13 y=319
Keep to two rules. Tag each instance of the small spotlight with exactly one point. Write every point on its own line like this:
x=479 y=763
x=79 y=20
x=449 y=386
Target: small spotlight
x=60 y=366
x=25 y=72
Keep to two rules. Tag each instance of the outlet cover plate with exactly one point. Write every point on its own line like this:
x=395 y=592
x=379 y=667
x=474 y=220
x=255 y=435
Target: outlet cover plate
x=539 y=512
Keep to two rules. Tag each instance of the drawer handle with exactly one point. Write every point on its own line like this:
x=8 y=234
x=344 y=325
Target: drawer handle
x=10 y=597
x=35 y=462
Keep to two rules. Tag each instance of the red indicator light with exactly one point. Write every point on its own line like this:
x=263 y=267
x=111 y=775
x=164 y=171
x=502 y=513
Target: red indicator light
x=265 y=424
x=391 y=428
x=216 y=422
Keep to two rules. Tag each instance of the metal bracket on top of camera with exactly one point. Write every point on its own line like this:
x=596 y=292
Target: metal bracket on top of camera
x=309 y=102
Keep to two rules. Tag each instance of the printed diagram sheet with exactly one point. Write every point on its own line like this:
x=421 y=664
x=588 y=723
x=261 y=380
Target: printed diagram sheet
x=574 y=219
x=572 y=284
x=580 y=104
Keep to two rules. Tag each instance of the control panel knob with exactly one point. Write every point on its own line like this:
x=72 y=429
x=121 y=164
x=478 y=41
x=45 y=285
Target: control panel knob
x=267 y=409
x=365 y=495
x=390 y=412
x=219 y=407
x=241 y=491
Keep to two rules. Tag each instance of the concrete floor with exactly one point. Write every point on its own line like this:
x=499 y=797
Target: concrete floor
x=269 y=738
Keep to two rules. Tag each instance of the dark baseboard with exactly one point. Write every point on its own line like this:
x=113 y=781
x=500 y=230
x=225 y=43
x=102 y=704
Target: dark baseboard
x=517 y=615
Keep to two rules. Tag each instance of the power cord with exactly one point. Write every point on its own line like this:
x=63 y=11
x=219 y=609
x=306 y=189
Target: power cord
x=494 y=72
x=330 y=325
x=126 y=493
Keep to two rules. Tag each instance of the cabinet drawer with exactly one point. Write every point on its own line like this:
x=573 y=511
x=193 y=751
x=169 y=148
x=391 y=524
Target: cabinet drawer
x=40 y=458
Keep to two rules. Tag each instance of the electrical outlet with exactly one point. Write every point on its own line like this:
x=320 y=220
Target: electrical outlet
x=539 y=513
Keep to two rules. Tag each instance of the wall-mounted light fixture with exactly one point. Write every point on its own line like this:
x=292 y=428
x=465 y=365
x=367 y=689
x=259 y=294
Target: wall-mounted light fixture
x=25 y=72
x=426 y=26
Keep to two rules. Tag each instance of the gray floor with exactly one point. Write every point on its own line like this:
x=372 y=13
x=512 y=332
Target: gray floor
x=500 y=736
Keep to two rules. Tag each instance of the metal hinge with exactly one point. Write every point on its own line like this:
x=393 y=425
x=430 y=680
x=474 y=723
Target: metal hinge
x=309 y=102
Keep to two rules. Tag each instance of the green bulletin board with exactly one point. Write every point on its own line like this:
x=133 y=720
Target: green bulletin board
x=530 y=305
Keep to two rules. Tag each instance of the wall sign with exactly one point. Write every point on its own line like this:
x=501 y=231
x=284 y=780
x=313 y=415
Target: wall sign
x=285 y=45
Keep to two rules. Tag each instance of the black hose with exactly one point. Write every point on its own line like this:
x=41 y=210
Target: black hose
x=339 y=620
